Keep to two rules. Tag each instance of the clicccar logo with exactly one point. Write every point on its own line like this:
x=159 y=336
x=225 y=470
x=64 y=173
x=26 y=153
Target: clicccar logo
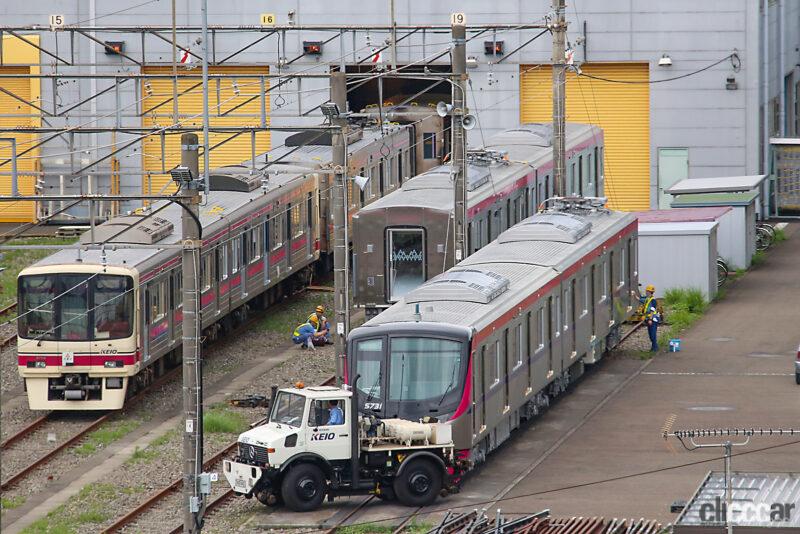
x=747 y=512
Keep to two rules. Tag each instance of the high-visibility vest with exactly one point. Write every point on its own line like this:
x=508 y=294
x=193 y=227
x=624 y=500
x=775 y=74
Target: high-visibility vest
x=297 y=330
x=647 y=313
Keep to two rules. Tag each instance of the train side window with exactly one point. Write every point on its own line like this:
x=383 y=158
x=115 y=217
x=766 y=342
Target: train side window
x=586 y=299
x=222 y=266
x=623 y=266
x=604 y=289
x=508 y=213
x=400 y=157
x=382 y=179
x=207 y=272
x=429 y=145
x=245 y=248
x=297 y=228
x=236 y=254
x=520 y=345
x=635 y=258
x=557 y=314
x=158 y=295
x=310 y=212
x=567 y=306
x=580 y=175
x=287 y=225
x=497 y=364
x=277 y=232
x=595 y=164
x=255 y=243
x=540 y=327
x=177 y=290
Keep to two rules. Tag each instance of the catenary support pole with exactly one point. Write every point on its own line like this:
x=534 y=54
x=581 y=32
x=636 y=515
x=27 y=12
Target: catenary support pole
x=341 y=305
x=559 y=28
x=192 y=360
x=206 y=145
x=459 y=61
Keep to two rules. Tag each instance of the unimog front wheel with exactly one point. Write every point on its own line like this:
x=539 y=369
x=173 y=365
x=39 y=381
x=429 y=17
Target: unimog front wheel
x=303 y=488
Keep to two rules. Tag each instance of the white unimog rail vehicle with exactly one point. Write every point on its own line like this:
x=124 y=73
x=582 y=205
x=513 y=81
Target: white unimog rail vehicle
x=299 y=457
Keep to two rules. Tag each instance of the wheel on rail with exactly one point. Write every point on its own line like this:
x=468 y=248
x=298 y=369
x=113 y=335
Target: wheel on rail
x=303 y=488
x=418 y=483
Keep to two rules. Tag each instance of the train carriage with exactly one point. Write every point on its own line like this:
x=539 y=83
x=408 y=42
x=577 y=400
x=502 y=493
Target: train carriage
x=96 y=325
x=405 y=237
x=486 y=344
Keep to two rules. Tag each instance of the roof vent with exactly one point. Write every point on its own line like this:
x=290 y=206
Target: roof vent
x=464 y=285
x=562 y=227
x=236 y=178
x=131 y=229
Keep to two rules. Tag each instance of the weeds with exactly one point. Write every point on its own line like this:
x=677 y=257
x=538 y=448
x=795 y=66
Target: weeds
x=374 y=528
x=780 y=235
x=9 y=503
x=219 y=420
x=284 y=317
x=105 y=435
x=683 y=308
x=84 y=512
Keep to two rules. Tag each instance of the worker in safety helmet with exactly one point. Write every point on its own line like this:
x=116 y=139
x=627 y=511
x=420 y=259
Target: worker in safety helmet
x=303 y=335
x=320 y=323
x=651 y=316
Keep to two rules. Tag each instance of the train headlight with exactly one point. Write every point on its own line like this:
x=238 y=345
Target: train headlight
x=111 y=364
x=39 y=364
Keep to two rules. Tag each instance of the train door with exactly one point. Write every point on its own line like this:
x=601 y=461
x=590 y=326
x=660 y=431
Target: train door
x=556 y=338
x=244 y=259
x=506 y=369
x=406 y=265
x=479 y=382
x=266 y=252
x=146 y=325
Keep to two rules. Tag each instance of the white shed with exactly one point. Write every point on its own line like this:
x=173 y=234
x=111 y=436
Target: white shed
x=679 y=255
x=731 y=240
x=744 y=221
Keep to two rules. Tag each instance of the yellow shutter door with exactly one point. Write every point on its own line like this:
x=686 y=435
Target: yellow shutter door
x=157 y=108
x=14 y=113
x=622 y=110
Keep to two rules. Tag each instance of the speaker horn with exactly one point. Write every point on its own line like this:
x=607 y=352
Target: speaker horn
x=468 y=122
x=443 y=109
x=361 y=181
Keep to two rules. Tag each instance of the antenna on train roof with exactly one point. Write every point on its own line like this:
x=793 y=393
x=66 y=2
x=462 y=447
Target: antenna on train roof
x=417 y=314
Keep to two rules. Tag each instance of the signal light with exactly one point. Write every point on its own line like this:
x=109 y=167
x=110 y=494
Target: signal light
x=312 y=48
x=114 y=48
x=493 y=48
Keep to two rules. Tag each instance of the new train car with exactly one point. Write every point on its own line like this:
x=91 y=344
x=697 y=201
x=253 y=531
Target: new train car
x=487 y=344
x=95 y=326
x=405 y=238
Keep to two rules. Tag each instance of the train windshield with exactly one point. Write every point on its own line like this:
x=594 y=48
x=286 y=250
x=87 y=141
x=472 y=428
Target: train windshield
x=425 y=374
x=406 y=260
x=75 y=307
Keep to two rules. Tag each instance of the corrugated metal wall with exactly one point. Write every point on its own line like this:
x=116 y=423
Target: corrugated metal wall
x=622 y=110
x=157 y=109
x=15 y=113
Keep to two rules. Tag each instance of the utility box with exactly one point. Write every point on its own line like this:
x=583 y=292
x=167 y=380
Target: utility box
x=738 y=237
x=679 y=255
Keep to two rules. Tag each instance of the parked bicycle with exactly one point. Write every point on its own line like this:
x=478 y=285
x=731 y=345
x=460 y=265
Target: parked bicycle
x=722 y=272
x=765 y=235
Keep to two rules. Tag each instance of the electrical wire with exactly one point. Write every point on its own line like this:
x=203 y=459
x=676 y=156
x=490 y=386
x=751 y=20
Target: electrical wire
x=112 y=13
x=734 y=57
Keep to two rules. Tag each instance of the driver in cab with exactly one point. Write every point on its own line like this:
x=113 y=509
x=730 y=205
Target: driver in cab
x=335 y=415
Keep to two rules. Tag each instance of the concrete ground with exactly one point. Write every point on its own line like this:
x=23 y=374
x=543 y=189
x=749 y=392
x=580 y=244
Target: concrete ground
x=735 y=370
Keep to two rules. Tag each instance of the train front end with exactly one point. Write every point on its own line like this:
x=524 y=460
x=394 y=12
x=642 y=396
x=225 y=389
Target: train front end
x=413 y=370
x=77 y=335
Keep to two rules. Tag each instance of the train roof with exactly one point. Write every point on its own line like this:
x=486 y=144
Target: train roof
x=165 y=226
x=522 y=261
x=528 y=146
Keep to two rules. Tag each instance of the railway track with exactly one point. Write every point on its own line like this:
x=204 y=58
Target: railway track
x=13 y=337
x=35 y=425
x=177 y=484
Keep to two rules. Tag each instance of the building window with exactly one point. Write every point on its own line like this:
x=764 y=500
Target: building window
x=429 y=145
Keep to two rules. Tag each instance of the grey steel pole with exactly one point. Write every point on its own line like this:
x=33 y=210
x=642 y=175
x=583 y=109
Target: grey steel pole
x=204 y=13
x=393 y=36
x=338 y=207
x=459 y=161
x=728 y=487
x=559 y=27
x=192 y=360
x=175 y=112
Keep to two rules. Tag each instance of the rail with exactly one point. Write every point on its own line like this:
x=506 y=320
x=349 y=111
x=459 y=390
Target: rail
x=176 y=484
x=22 y=473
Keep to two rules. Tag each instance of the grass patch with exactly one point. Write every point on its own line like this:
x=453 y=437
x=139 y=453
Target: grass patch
x=84 y=512
x=284 y=317
x=780 y=235
x=105 y=435
x=683 y=307
x=758 y=258
x=377 y=528
x=142 y=455
x=220 y=420
x=9 y=503
x=15 y=260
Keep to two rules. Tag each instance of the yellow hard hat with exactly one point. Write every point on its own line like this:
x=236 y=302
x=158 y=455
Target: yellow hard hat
x=650 y=287
x=321 y=309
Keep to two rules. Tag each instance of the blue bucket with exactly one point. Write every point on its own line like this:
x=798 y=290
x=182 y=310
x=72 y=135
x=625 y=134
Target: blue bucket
x=674 y=345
